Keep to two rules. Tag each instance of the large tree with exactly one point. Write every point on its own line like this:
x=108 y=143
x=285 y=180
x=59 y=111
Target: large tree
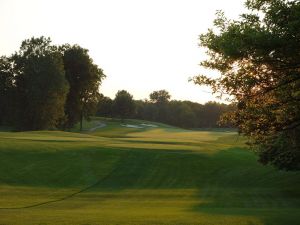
x=84 y=78
x=123 y=105
x=41 y=86
x=258 y=57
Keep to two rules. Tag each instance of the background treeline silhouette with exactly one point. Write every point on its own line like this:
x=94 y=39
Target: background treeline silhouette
x=160 y=108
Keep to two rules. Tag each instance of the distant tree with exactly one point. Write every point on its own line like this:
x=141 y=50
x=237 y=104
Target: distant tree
x=104 y=107
x=6 y=90
x=124 y=105
x=140 y=109
x=211 y=113
x=41 y=86
x=84 y=78
x=181 y=114
x=160 y=97
x=258 y=57
x=146 y=110
x=184 y=114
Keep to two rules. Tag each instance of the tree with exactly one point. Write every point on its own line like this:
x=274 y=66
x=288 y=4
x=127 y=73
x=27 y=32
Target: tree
x=146 y=110
x=6 y=90
x=104 y=107
x=160 y=97
x=41 y=86
x=84 y=78
x=212 y=112
x=258 y=58
x=180 y=114
x=124 y=105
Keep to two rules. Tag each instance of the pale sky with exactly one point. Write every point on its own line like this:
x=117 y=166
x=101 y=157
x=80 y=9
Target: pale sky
x=142 y=45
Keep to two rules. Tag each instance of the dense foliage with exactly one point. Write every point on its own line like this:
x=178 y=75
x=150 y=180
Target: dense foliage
x=42 y=83
x=123 y=105
x=104 y=106
x=84 y=78
x=184 y=114
x=41 y=86
x=258 y=57
x=6 y=90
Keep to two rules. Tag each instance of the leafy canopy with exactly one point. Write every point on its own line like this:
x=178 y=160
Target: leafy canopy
x=44 y=86
x=124 y=105
x=84 y=78
x=258 y=58
x=160 y=97
x=41 y=87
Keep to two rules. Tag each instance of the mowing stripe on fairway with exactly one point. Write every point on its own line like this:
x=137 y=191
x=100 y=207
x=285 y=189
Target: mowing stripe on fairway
x=60 y=199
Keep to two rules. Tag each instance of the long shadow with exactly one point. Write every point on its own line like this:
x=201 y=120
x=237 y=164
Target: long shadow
x=164 y=142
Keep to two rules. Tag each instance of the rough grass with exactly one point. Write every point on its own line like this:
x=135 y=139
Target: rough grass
x=159 y=175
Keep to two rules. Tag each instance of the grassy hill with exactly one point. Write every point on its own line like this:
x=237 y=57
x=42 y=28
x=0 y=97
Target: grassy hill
x=148 y=174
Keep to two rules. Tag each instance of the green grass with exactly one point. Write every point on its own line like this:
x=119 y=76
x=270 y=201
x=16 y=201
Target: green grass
x=161 y=175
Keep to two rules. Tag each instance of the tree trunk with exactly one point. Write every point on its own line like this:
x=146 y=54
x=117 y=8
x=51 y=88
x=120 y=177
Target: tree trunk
x=81 y=118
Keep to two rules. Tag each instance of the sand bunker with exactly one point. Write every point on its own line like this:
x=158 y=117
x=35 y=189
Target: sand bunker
x=99 y=125
x=131 y=126
x=148 y=125
x=142 y=125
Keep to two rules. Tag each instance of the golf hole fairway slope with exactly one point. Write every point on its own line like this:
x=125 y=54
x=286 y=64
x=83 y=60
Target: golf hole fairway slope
x=154 y=174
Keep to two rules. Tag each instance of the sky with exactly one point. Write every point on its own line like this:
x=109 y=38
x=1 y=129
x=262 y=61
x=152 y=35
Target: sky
x=141 y=45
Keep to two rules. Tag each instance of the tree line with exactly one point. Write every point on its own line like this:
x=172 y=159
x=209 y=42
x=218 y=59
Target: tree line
x=160 y=108
x=45 y=86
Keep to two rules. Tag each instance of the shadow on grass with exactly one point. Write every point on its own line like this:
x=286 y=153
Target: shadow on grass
x=134 y=168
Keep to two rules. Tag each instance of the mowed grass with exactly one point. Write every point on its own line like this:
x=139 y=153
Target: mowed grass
x=161 y=175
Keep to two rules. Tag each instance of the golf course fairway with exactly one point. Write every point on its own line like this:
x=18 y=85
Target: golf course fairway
x=156 y=174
